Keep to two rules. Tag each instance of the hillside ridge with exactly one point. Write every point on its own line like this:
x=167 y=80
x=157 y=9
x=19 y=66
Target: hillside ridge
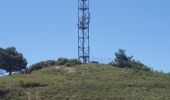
x=86 y=81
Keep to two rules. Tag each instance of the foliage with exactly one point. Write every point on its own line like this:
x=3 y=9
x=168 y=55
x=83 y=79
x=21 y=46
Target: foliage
x=68 y=62
x=95 y=62
x=87 y=82
x=11 y=60
x=31 y=84
x=123 y=61
x=59 y=62
x=140 y=66
x=42 y=64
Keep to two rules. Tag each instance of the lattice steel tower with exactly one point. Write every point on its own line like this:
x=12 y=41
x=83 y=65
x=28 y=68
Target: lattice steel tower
x=83 y=31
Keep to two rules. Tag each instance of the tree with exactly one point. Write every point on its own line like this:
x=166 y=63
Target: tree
x=122 y=60
x=11 y=60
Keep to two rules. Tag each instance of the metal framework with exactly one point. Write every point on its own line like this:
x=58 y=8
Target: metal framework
x=83 y=31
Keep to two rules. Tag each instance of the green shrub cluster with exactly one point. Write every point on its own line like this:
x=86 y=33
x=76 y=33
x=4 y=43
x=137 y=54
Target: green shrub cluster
x=95 y=62
x=123 y=61
x=59 y=62
x=68 y=62
x=140 y=66
x=42 y=64
x=31 y=84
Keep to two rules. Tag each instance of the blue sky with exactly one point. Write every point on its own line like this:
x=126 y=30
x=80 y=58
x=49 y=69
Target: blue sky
x=47 y=29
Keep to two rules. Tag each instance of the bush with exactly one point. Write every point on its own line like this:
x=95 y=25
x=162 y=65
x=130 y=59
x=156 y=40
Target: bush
x=31 y=84
x=74 y=62
x=140 y=66
x=26 y=71
x=42 y=64
x=62 y=61
x=59 y=62
x=123 y=61
x=36 y=66
x=68 y=62
x=95 y=62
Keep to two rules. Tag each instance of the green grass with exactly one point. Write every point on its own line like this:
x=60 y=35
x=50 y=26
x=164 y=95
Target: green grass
x=86 y=82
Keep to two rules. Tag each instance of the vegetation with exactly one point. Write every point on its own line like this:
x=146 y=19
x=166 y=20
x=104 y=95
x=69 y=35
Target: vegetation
x=59 y=62
x=11 y=60
x=86 y=82
x=69 y=79
x=123 y=61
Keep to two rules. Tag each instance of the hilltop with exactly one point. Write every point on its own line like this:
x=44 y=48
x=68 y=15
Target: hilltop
x=85 y=82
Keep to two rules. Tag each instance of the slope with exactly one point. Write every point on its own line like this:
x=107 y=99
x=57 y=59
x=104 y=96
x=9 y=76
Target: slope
x=85 y=82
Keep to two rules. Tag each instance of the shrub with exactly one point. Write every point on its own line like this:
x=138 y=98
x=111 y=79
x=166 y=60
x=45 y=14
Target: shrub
x=95 y=62
x=68 y=62
x=36 y=66
x=42 y=64
x=74 y=62
x=140 y=66
x=62 y=61
x=123 y=61
x=31 y=84
x=26 y=71
x=59 y=62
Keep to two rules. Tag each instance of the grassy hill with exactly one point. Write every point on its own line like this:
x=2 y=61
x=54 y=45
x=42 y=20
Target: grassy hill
x=86 y=82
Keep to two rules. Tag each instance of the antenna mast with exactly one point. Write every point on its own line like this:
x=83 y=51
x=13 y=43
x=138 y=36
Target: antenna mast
x=83 y=31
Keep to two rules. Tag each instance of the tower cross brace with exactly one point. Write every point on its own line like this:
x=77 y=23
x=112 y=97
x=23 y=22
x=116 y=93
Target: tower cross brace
x=83 y=31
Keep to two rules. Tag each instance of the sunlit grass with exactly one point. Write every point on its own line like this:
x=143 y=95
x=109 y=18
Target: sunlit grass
x=87 y=81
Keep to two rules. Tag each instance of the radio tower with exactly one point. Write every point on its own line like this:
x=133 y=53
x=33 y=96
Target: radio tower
x=83 y=31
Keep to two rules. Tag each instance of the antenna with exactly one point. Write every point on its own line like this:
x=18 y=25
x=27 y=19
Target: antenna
x=83 y=31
